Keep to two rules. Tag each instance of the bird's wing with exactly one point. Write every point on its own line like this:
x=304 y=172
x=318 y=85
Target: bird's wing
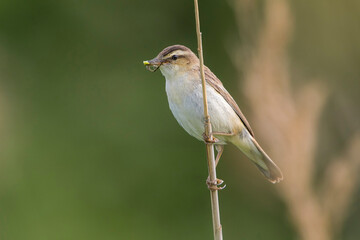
x=219 y=87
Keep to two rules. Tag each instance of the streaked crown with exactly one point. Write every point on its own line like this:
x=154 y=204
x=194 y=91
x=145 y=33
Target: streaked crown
x=173 y=59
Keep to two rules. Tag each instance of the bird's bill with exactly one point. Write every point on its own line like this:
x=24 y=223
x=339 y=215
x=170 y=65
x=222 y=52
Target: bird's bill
x=153 y=64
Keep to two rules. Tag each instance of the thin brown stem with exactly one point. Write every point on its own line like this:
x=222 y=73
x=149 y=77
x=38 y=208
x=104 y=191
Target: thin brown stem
x=208 y=134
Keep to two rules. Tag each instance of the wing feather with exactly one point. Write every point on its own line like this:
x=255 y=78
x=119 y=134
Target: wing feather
x=213 y=81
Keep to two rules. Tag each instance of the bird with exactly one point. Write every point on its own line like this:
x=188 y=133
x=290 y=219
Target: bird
x=181 y=69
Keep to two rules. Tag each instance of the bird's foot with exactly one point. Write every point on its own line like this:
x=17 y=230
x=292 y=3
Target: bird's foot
x=214 y=185
x=209 y=140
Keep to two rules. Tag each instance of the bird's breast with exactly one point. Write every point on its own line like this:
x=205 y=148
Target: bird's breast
x=186 y=103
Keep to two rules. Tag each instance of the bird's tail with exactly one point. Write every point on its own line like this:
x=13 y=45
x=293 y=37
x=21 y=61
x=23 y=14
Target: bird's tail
x=249 y=146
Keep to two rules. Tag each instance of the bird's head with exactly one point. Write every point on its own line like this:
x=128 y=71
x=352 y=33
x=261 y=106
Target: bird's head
x=173 y=60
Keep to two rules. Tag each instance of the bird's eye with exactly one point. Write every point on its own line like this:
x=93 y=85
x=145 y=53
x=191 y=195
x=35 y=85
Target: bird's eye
x=174 y=57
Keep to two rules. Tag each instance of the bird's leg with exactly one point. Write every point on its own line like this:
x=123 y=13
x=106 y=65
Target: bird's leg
x=208 y=137
x=212 y=140
x=213 y=185
x=209 y=140
x=220 y=150
x=224 y=134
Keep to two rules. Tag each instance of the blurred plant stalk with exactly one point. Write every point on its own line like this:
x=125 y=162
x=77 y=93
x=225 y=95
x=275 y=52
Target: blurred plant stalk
x=208 y=134
x=287 y=121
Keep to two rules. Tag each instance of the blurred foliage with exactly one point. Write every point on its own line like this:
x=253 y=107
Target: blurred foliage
x=89 y=148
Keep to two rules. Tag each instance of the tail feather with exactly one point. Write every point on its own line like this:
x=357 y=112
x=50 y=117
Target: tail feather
x=249 y=146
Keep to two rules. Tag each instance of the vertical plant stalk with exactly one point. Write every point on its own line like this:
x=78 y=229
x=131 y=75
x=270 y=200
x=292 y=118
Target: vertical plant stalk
x=208 y=134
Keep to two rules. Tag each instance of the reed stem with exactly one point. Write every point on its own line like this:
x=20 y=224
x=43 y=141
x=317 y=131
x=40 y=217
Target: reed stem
x=208 y=134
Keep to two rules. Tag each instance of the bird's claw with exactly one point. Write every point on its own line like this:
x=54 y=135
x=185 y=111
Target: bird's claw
x=214 y=185
x=209 y=140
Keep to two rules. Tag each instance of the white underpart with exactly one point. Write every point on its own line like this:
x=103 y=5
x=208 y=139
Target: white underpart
x=186 y=103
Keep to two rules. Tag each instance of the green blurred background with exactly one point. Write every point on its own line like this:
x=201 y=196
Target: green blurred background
x=89 y=147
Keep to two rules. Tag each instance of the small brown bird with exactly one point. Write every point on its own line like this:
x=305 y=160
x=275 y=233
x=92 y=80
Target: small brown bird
x=181 y=69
